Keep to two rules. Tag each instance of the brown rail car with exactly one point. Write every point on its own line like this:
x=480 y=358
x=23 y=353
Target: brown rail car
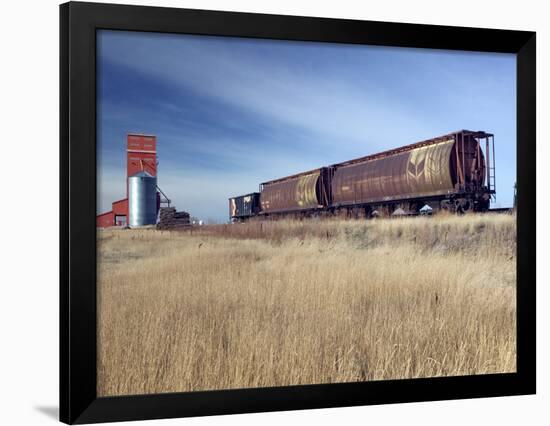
x=446 y=166
x=300 y=192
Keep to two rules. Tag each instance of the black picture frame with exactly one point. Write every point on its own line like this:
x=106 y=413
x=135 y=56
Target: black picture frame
x=78 y=25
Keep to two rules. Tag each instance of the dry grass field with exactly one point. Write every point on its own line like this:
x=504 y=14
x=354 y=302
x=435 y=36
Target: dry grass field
x=283 y=303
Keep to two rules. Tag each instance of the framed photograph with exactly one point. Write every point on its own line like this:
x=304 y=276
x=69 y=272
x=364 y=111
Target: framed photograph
x=264 y=212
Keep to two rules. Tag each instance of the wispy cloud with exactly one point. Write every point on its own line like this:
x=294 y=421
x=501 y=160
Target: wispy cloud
x=324 y=103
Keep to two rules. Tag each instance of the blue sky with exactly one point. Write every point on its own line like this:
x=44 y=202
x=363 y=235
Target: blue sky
x=230 y=113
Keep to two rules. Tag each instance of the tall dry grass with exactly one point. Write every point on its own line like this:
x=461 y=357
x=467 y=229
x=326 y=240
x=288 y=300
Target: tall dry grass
x=286 y=303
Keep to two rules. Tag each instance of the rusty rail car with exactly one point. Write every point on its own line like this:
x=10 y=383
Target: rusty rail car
x=453 y=172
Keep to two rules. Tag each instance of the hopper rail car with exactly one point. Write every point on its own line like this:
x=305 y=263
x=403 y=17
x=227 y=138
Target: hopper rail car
x=454 y=172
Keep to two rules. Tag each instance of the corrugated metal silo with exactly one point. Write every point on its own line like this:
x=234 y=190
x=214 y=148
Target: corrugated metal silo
x=142 y=199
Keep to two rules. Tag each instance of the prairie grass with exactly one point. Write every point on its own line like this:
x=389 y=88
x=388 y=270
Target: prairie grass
x=288 y=302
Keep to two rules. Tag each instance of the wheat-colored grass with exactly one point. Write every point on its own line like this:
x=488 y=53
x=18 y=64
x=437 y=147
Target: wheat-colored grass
x=285 y=303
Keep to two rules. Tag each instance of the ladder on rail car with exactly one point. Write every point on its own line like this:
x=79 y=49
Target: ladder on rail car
x=493 y=182
x=492 y=168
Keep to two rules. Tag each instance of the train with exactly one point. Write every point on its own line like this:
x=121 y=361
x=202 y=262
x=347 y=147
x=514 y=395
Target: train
x=454 y=172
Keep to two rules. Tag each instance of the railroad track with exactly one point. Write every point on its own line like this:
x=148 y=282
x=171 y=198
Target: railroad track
x=501 y=210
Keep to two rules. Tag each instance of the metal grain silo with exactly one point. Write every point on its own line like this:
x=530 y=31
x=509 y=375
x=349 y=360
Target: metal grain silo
x=142 y=199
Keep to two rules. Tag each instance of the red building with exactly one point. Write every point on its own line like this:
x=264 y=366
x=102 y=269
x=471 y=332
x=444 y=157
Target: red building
x=141 y=155
x=105 y=220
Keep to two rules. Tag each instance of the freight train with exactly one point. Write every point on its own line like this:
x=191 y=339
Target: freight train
x=453 y=172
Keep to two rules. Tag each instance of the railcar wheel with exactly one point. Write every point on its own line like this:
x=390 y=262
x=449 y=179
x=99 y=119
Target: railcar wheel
x=463 y=205
x=466 y=207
